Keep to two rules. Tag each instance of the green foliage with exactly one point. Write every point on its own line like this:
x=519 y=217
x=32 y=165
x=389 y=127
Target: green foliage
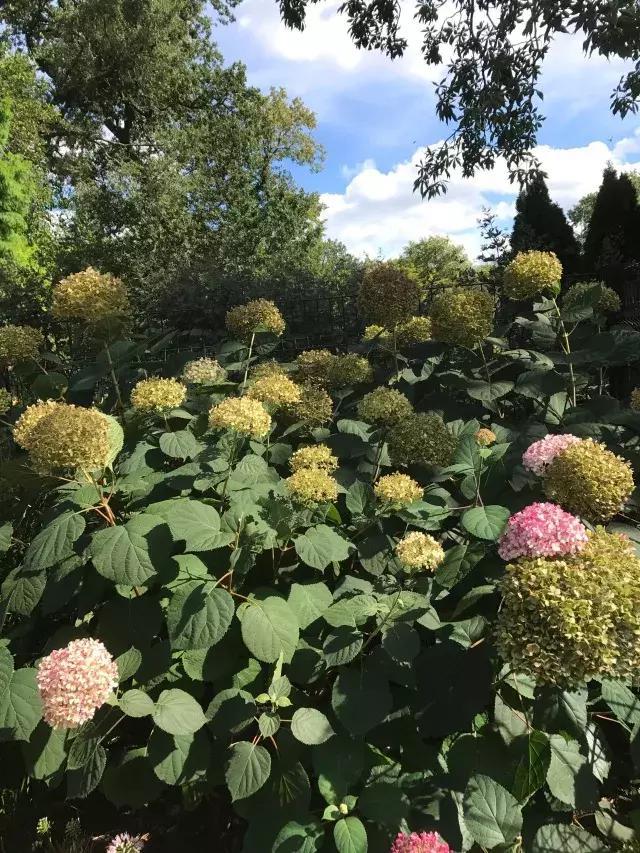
x=435 y=262
x=613 y=225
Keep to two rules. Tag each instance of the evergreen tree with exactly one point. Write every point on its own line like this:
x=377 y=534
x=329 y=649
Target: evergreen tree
x=541 y=224
x=614 y=227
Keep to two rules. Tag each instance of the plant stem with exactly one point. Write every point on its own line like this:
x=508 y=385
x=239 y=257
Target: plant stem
x=566 y=348
x=246 y=370
x=114 y=378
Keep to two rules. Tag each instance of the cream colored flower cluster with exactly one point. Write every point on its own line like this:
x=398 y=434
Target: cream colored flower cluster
x=529 y=273
x=415 y=330
x=19 y=343
x=398 y=490
x=418 y=552
x=6 y=401
x=311 y=482
x=275 y=389
x=203 y=371
x=322 y=368
x=314 y=456
x=242 y=415
x=462 y=317
x=243 y=321
x=90 y=296
x=158 y=395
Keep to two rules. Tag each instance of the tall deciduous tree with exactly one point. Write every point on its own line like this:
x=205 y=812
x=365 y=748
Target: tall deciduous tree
x=613 y=234
x=494 y=52
x=541 y=224
x=435 y=262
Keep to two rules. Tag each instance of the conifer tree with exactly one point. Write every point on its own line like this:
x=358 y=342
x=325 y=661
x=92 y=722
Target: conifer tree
x=614 y=228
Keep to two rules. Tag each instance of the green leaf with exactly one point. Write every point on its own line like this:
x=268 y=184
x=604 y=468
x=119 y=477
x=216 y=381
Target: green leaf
x=299 y=838
x=350 y=836
x=178 y=713
x=131 y=554
x=361 y=700
x=179 y=759
x=55 y=542
x=486 y=522
x=320 y=546
x=342 y=646
x=20 y=705
x=179 y=445
x=128 y=663
x=268 y=723
x=21 y=590
x=401 y=642
x=487 y=392
x=6 y=532
x=45 y=753
x=359 y=496
x=491 y=814
x=136 y=703
x=311 y=727
x=132 y=781
x=338 y=763
x=248 y=768
x=194 y=522
x=384 y=802
x=622 y=701
x=458 y=562
x=270 y=629
x=565 y=766
x=199 y=615
x=231 y=710
x=309 y=602
x=532 y=768
x=81 y=781
x=567 y=838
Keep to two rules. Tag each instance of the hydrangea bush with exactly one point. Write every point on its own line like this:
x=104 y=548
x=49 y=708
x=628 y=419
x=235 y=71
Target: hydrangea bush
x=361 y=602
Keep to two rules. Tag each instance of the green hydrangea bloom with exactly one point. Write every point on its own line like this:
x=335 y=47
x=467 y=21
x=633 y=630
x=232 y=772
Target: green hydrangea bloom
x=608 y=303
x=529 y=273
x=421 y=438
x=462 y=317
x=387 y=295
x=384 y=407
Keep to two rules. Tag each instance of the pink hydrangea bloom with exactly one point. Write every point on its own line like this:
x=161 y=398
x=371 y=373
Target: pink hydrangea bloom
x=541 y=453
x=74 y=682
x=542 y=530
x=126 y=843
x=422 y=842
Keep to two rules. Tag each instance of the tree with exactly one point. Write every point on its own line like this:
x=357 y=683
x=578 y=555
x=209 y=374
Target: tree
x=614 y=227
x=581 y=213
x=541 y=224
x=15 y=192
x=435 y=262
x=494 y=51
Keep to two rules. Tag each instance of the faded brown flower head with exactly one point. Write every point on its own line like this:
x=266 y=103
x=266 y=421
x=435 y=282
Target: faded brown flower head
x=158 y=395
x=19 y=343
x=349 y=369
x=387 y=295
x=90 y=296
x=30 y=418
x=570 y=619
x=529 y=273
x=398 y=490
x=276 y=390
x=314 y=365
x=315 y=408
x=314 y=456
x=422 y=438
x=462 y=317
x=242 y=415
x=384 y=407
x=485 y=437
x=69 y=438
x=259 y=315
x=589 y=480
x=311 y=486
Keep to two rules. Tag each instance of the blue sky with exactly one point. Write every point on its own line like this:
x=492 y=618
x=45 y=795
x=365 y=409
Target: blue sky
x=374 y=115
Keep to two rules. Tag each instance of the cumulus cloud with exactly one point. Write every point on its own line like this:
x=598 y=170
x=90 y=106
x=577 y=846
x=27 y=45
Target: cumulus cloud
x=378 y=214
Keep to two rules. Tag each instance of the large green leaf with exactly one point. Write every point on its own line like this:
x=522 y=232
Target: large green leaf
x=565 y=767
x=131 y=554
x=179 y=759
x=194 y=522
x=22 y=590
x=320 y=546
x=131 y=782
x=361 y=699
x=55 y=542
x=350 y=836
x=486 y=522
x=45 y=753
x=311 y=727
x=81 y=781
x=20 y=705
x=384 y=802
x=622 y=701
x=178 y=713
x=309 y=602
x=491 y=814
x=179 y=445
x=533 y=765
x=248 y=768
x=199 y=615
x=568 y=838
x=270 y=629
x=6 y=533
x=136 y=703
x=299 y=838
x=487 y=392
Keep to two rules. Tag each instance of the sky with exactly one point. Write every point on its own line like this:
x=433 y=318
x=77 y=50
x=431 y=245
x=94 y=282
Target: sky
x=376 y=115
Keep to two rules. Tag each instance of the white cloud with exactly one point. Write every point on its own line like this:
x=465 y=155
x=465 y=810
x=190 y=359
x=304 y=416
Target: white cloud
x=378 y=212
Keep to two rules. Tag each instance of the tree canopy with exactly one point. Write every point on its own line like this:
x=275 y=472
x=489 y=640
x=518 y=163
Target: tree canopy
x=435 y=262
x=490 y=93
x=614 y=226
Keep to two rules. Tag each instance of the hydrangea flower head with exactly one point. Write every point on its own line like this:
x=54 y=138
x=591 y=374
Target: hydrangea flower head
x=314 y=365
x=125 y=843
x=349 y=369
x=243 y=321
x=19 y=343
x=462 y=317
x=418 y=551
x=485 y=437
x=542 y=530
x=589 y=480
x=421 y=438
x=74 y=682
x=635 y=399
x=608 y=301
x=388 y=296
x=568 y=619
x=539 y=455
x=158 y=395
x=314 y=409
x=70 y=437
x=398 y=490
x=384 y=406
x=529 y=273
x=203 y=371
x=90 y=296
x=241 y=414
x=6 y=401
x=311 y=486
x=275 y=389
x=419 y=842
x=314 y=456
x=29 y=419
